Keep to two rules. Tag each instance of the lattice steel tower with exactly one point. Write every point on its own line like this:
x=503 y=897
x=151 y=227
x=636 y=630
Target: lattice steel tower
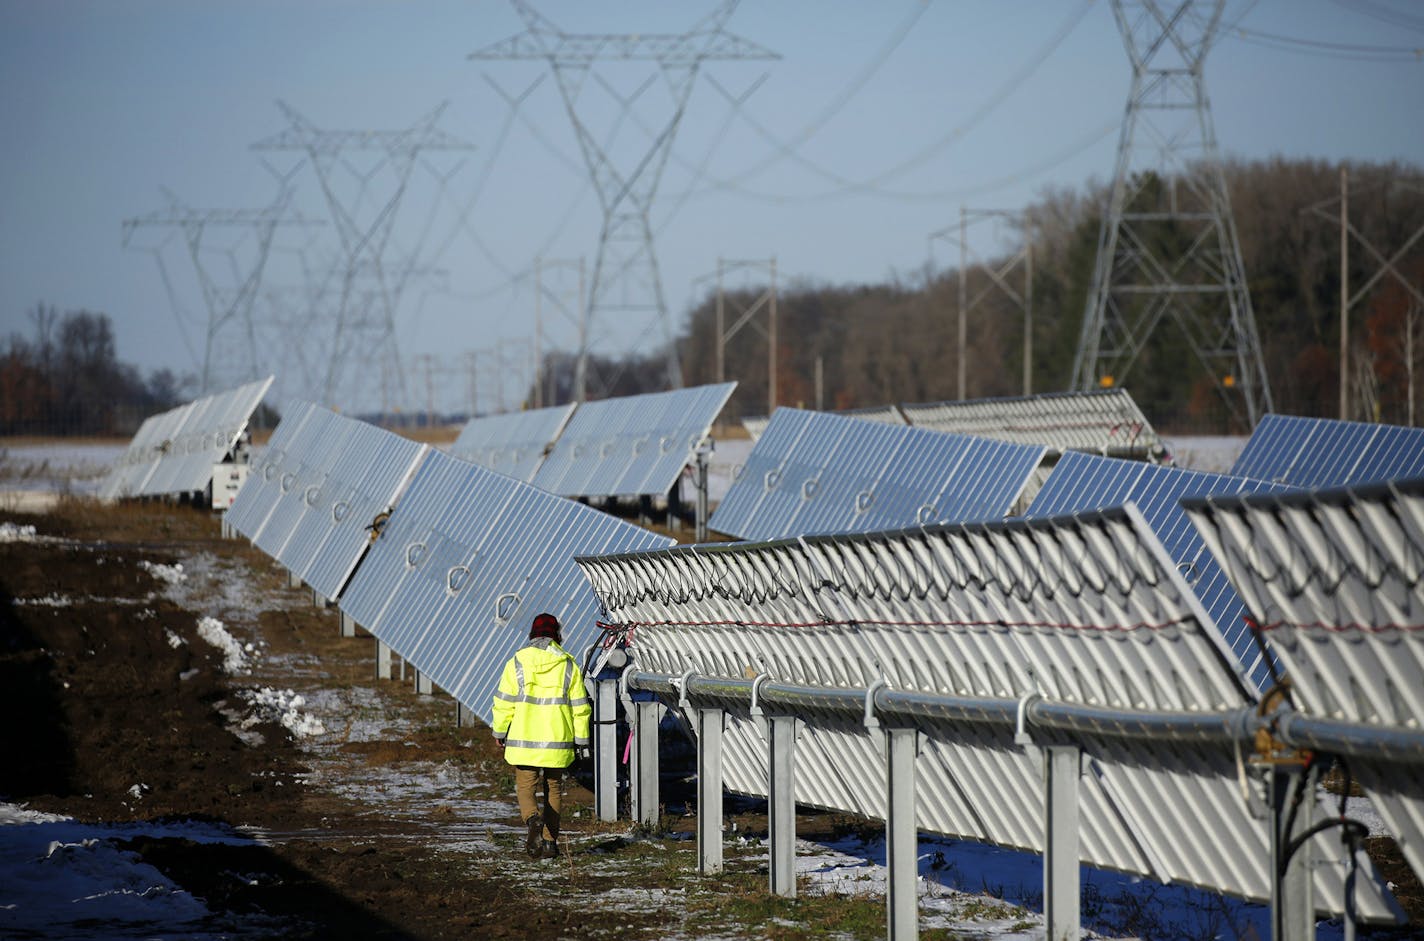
x=229 y=307
x=370 y=291
x=1168 y=245
x=625 y=270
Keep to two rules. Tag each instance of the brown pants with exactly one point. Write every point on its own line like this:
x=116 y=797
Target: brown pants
x=551 y=780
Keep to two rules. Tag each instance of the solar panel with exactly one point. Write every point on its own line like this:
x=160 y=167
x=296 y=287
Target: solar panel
x=466 y=561
x=888 y=414
x=322 y=488
x=261 y=491
x=1086 y=610
x=1106 y=422
x=813 y=472
x=174 y=452
x=514 y=443
x=632 y=446
x=1086 y=482
x=1320 y=452
x=1336 y=580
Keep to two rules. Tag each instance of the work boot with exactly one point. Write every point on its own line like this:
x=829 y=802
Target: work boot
x=536 y=832
x=550 y=850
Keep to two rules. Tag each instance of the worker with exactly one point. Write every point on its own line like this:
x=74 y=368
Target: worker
x=541 y=720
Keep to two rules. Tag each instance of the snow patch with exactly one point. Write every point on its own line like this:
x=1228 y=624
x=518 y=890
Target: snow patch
x=215 y=632
x=172 y=574
x=284 y=707
x=48 y=601
x=9 y=532
x=174 y=640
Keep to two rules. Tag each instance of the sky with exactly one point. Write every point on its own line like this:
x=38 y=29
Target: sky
x=840 y=159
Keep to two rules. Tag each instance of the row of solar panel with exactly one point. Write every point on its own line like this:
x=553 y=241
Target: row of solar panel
x=812 y=473
x=442 y=560
x=1088 y=609
x=1106 y=422
x=174 y=451
x=625 y=447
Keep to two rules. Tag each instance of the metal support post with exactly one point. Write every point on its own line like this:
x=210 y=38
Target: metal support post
x=464 y=716
x=644 y=773
x=348 y=625
x=383 y=661
x=709 y=723
x=704 y=451
x=1062 y=766
x=423 y=686
x=293 y=579
x=318 y=599
x=781 y=804
x=901 y=835
x=1292 y=899
x=605 y=750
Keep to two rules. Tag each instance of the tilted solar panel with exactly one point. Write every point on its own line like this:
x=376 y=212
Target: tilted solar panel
x=466 y=561
x=514 y=443
x=1321 y=452
x=335 y=477
x=174 y=452
x=1335 y=578
x=1085 y=610
x=812 y=472
x=1084 y=482
x=262 y=489
x=632 y=446
x=1106 y=422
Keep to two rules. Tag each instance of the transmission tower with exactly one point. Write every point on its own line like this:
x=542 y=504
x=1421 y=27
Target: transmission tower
x=229 y=308
x=371 y=287
x=1168 y=244
x=625 y=269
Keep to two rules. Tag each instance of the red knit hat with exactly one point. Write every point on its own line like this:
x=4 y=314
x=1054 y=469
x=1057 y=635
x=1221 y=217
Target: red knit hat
x=545 y=625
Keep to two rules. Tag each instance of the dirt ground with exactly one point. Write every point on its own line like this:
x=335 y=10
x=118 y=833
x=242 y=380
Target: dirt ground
x=393 y=824
x=110 y=703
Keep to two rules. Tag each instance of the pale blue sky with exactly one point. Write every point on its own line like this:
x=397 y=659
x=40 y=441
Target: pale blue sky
x=938 y=104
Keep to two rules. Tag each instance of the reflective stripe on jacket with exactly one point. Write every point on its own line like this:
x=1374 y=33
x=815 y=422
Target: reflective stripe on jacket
x=541 y=708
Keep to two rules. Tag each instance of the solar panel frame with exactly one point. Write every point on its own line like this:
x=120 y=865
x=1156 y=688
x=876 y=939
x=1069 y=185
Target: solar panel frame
x=1084 y=482
x=1324 y=453
x=633 y=446
x=259 y=494
x=813 y=472
x=515 y=443
x=1105 y=421
x=462 y=539
x=996 y=610
x=1335 y=578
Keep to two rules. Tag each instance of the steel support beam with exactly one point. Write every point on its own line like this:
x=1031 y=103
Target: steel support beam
x=644 y=773
x=605 y=750
x=348 y=625
x=423 y=686
x=901 y=835
x=1292 y=883
x=1062 y=767
x=293 y=579
x=781 y=804
x=709 y=724
x=465 y=717
x=383 y=661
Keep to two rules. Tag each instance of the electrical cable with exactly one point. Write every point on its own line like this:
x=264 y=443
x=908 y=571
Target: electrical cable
x=1335 y=50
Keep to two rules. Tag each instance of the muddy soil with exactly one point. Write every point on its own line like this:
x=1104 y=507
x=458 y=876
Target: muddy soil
x=115 y=720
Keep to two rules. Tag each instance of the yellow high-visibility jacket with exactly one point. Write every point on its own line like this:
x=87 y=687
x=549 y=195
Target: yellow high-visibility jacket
x=541 y=708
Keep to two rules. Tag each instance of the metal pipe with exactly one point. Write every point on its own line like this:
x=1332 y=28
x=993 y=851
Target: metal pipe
x=1402 y=746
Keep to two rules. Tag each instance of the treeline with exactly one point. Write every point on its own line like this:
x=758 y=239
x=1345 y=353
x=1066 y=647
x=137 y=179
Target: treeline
x=66 y=379
x=898 y=341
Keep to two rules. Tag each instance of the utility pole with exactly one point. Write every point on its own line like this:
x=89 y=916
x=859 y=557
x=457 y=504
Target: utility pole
x=998 y=278
x=1168 y=247
x=1344 y=293
x=625 y=269
x=1388 y=267
x=766 y=300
